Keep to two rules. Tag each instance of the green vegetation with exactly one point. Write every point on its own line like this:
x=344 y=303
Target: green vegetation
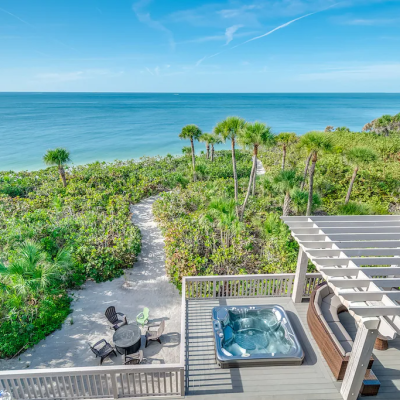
x=384 y=125
x=90 y=217
x=191 y=132
x=58 y=157
x=230 y=129
x=204 y=235
x=218 y=219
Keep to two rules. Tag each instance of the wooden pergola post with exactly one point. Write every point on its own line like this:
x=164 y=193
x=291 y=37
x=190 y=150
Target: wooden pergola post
x=362 y=350
x=300 y=277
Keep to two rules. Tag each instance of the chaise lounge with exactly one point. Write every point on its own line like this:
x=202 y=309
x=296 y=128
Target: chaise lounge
x=332 y=338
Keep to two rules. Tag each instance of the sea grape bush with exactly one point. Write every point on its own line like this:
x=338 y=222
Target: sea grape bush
x=91 y=218
x=204 y=236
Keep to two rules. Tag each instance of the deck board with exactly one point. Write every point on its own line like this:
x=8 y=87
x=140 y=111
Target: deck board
x=205 y=379
x=311 y=381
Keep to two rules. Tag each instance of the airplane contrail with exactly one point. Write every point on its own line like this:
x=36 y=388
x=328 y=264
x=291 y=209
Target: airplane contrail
x=266 y=34
x=34 y=27
x=16 y=16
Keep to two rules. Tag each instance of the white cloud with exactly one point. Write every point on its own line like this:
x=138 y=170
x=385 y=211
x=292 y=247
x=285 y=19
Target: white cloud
x=387 y=71
x=237 y=12
x=230 y=32
x=55 y=77
x=145 y=17
x=372 y=21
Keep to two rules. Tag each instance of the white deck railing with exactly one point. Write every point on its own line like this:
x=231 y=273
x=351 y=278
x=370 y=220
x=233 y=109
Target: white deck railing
x=145 y=380
x=242 y=286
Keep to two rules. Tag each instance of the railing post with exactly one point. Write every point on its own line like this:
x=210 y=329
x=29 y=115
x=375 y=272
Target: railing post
x=289 y=287
x=114 y=385
x=214 y=289
x=182 y=378
x=300 y=277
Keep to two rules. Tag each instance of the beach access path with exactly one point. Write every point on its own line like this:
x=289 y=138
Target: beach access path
x=145 y=285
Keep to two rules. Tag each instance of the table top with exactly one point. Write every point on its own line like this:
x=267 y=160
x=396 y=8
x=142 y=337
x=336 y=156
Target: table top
x=127 y=335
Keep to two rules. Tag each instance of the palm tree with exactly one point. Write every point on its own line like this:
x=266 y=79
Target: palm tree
x=255 y=135
x=191 y=132
x=285 y=182
x=206 y=138
x=358 y=156
x=59 y=157
x=230 y=129
x=213 y=140
x=303 y=181
x=32 y=271
x=285 y=139
x=315 y=142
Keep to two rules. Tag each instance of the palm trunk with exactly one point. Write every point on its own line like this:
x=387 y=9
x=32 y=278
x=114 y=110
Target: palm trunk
x=208 y=151
x=311 y=184
x=255 y=154
x=283 y=157
x=212 y=153
x=286 y=204
x=353 y=178
x=305 y=172
x=253 y=171
x=193 y=160
x=234 y=170
x=62 y=175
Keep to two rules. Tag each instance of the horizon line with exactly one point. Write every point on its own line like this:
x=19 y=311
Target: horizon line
x=176 y=92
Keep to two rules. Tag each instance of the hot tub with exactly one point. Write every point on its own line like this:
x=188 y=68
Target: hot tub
x=254 y=336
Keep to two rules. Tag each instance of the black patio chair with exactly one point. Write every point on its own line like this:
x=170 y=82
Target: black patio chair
x=102 y=349
x=116 y=319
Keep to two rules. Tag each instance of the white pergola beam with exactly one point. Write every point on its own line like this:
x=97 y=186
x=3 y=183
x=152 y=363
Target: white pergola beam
x=375 y=311
x=338 y=224
x=356 y=245
x=344 y=218
x=355 y=252
x=369 y=295
x=343 y=237
x=356 y=260
x=346 y=230
x=353 y=271
x=358 y=283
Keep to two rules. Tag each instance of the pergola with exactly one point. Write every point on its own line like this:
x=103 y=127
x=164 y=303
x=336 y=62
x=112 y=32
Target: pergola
x=359 y=257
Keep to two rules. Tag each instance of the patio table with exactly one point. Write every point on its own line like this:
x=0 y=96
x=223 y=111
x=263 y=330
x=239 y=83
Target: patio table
x=127 y=339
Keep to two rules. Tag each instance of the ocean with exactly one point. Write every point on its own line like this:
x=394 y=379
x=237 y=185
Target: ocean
x=110 y=126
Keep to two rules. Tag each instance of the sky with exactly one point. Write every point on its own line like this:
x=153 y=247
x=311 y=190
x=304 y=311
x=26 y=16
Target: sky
x=200 y=46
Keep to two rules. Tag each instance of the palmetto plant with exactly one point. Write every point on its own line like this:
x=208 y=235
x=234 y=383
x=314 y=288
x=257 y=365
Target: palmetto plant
x=315 y=143
x=285 y=139
x=206 y=138
x=230 y=129
x=299 y=201
x=222 y=212
x=191 y=132
x=58 y=157
x=213 y=140
x=284 y=183
x=358 y=156
x=254 y=135
x=31 y=271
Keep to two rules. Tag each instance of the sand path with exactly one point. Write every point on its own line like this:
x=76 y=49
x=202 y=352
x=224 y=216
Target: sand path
x=148 y=286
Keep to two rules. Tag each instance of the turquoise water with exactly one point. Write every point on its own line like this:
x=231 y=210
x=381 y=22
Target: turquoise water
x=109 y=126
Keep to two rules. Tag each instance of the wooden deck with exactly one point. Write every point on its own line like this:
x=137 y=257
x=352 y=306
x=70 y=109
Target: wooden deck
x=312 y=380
